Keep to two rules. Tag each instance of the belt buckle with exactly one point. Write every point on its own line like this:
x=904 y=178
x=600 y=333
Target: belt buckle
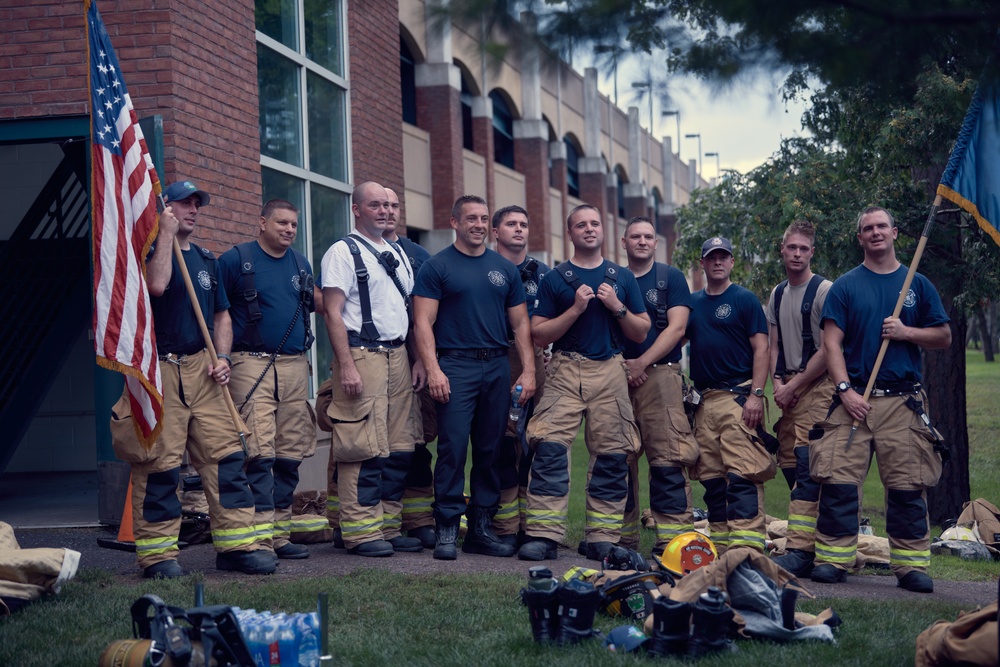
x=482 y=354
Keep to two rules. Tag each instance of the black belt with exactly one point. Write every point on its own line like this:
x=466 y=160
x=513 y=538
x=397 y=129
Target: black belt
x=741 y=388
x=882 y=389
x=166 y=356
x=354 y=339
x=482 y=353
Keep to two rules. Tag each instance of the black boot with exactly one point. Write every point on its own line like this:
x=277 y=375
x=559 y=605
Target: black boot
x=444 y=548
x=541 y=597
x=671 y=627
x=480 y=539
x=577 y=605
x=711 y=619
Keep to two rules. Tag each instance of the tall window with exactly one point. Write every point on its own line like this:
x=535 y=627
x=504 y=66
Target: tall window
x=408 y=82
x=466 y=97
x=572 y=168
x=304 y=114
x=503 y=131
x=621 y=179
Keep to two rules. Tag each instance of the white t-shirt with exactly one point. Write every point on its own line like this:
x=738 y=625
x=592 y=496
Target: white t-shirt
x=388 y=307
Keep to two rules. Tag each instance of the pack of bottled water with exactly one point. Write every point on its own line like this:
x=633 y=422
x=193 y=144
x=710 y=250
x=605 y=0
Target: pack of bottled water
x=280 y=640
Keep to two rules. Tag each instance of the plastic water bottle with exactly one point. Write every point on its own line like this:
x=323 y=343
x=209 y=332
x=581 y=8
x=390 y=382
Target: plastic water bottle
x=516 y=409
x=309 y=643
x=540 y=578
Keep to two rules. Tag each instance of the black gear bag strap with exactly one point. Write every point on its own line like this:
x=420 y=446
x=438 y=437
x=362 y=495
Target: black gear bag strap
x=368 y=330
x=247 y=269
x=661 y=295
x=390 y=263
x=808 y=343
x=529 y=270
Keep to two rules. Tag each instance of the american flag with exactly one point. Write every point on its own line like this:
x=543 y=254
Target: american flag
x=123 y=189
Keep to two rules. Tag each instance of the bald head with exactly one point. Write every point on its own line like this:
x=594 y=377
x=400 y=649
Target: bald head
x=370 y=206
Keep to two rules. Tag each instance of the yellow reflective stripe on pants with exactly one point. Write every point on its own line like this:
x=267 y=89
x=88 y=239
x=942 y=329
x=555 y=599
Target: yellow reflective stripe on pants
x=909 y=558
x=746 y=538
x=831 y=554
x=545 y=518
x=415 y=505
x=263 y=530
x=332 y=505
x=353 y=530
x=668 y=531
x=602 y=520
x=391 y=521
x=806 y=524
x=301 y=525
x=282 y=528
x=720 y=540
x=506 y=511
x=156 y=545
x=233 y=537
x=630 y=529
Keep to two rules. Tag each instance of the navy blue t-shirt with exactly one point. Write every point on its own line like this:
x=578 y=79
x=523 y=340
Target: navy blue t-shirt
x=473 y=295
x=719 y=329
x=413 y=252
x=678 y=294
x=596 y=334
x=858 y=302
x=177 y=329
x=277 y=282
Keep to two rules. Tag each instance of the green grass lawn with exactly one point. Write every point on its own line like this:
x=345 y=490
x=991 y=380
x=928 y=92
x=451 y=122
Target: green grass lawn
x=378 y=618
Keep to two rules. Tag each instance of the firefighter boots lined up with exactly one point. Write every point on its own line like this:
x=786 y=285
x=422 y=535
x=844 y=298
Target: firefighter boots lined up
x=711 y=619
x=481 y=539
x=559 y=613
x=541 y=597
x=671 y=627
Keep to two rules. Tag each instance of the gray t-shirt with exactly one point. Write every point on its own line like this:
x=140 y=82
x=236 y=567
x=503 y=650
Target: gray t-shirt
x=791 y=319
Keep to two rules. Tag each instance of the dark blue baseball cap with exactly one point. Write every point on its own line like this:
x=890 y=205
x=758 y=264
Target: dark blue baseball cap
x=184 y=189
x=625 y=639
x=716 y=243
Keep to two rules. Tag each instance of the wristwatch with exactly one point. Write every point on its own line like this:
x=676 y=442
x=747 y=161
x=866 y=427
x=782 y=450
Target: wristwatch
x=758 y=391
x=621 y=313
x=843 y=386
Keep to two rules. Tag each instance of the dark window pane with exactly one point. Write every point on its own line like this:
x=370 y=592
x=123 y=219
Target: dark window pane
x=330 y=213
x=572 y=169
x=278 y=20
x=503 y=131
x=327 y=133
x=408 y=83
x=323 y=34
x=280 y=124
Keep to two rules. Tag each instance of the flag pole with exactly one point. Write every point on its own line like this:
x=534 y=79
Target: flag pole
x=899 y=306
x=238 y=423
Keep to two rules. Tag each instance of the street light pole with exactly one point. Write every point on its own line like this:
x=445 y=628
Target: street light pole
x=698 y=137
x=648 y=87
x=718 y=169
x=678 y=114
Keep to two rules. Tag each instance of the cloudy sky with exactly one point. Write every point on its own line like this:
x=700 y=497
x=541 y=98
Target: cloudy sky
x=744 y=124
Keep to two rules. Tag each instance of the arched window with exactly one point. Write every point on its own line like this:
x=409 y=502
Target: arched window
x=466 y=95
x=503 y=131
x=621 y=179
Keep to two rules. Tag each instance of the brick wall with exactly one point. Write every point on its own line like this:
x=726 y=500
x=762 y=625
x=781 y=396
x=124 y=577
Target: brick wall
x=376 y=104
x=531 y=158
x=439 y=112
x=200 y=75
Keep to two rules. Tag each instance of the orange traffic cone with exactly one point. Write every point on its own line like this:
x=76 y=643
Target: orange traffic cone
x=125 y=529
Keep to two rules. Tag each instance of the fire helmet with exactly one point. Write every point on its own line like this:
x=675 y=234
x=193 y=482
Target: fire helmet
x=687 y=552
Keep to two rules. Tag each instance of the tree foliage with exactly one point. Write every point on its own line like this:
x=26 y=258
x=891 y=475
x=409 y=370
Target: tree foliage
x=889 y=82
